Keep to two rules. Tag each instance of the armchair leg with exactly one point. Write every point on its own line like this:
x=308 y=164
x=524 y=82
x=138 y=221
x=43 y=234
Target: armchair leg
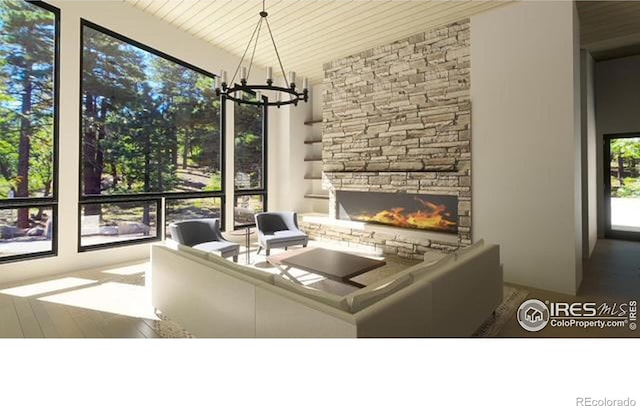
x=304 y=245
x=235 y=258
x=259 y=249
x=285 y=248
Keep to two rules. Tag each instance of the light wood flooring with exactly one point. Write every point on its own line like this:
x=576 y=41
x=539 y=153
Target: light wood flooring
x=54 y=307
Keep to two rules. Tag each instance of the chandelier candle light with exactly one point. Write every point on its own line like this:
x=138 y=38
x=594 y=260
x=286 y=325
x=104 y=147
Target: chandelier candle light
x=236 y=91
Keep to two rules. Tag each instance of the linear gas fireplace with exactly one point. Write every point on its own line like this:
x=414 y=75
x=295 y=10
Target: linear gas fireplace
x=417 y=211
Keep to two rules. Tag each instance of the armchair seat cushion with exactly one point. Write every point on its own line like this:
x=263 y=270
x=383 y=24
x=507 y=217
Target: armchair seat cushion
x=223 y=247
x=285 y=236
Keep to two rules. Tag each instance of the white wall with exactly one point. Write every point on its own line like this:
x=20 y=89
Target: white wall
x=617 y=110
x=142 y=27
x=525 y=141
x=289 y=152
x=289 y=158
x=589 y=160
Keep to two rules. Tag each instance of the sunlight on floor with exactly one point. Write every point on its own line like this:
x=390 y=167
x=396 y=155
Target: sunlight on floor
x=40 y=288
x=111 y=297
x=130 y=269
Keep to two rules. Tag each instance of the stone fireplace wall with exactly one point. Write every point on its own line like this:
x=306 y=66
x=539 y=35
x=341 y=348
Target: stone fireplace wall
x=397 y=119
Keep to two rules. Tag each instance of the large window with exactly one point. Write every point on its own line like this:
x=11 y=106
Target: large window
x=151 y=138
x=28 y=129
x=250 y=163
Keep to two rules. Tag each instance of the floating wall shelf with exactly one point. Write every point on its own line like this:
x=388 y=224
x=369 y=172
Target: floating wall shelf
x=312 y=122
x=316 y=196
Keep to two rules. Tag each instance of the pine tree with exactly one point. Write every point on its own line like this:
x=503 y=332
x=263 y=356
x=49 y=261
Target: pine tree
x=27 y=50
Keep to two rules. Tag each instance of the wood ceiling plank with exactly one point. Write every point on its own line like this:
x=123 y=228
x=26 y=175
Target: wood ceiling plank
x=220 y=16
x=241 y=20
x=184 y=8
x=363 y=37
x=335 y=39
x=143 y=4
x=311 y=32
x=234 y=36
x=329 y=52
x=169 y=7
x=155 y=5
x=209 y=9
x=186 y=15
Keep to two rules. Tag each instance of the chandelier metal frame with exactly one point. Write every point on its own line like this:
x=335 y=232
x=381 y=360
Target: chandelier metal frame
x=236 y=91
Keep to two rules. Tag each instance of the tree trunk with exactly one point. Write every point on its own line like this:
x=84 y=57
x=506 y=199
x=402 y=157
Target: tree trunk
x=174 y=147
x=621 y=170
x=114 y=174
x=92 y=162
x=24 y=149
x=147 y=177
x=159 y=168
x=185 y=152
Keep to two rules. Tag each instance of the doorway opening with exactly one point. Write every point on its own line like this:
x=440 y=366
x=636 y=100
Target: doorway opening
x=622 y=186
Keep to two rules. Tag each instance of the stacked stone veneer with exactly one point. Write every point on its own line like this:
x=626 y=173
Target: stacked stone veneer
x=397 y=119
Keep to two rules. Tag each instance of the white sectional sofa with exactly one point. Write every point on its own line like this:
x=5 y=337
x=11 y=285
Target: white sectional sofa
x=214 y=297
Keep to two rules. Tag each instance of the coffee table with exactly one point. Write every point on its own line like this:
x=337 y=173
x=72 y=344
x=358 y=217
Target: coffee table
x=334 y=265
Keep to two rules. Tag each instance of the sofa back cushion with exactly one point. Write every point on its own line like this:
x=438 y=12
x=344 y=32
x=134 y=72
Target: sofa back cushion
x=232 y=267
x=469 y=251
x=425 y=268
x=339 y=302
x=193 y=251
x=374 y=293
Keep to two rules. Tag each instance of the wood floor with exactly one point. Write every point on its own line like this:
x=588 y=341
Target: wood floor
x=611 y=275
x=37 y=316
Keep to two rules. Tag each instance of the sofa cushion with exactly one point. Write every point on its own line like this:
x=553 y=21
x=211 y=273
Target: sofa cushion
x=466 y=252
x=432 y=256
x=315 y=294
x=232 y=267
x=192 y=251
x=424 y=268
x=370 y=295
x=221 y=246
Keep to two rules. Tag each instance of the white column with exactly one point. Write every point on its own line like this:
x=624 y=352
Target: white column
x=229 y=168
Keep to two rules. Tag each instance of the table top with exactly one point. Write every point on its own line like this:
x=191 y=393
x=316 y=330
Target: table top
x=336 y=265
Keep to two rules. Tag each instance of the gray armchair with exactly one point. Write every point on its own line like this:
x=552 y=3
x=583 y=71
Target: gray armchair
x=279 y=230
x=205 y=235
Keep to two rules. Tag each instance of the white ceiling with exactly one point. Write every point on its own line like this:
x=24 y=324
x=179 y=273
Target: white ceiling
x=610 y=29
x=308 y=33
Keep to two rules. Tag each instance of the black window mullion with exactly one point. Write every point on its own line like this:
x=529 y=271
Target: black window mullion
x=159 y=197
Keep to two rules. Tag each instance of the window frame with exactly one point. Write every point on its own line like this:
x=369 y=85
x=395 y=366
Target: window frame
x=50 y=201
x=158 y=197
x=263 y=191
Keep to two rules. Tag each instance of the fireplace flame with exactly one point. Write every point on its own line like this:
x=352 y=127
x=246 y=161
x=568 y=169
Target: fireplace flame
x=431 y=217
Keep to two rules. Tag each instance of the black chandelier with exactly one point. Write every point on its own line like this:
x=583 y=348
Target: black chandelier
x=237 y=92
